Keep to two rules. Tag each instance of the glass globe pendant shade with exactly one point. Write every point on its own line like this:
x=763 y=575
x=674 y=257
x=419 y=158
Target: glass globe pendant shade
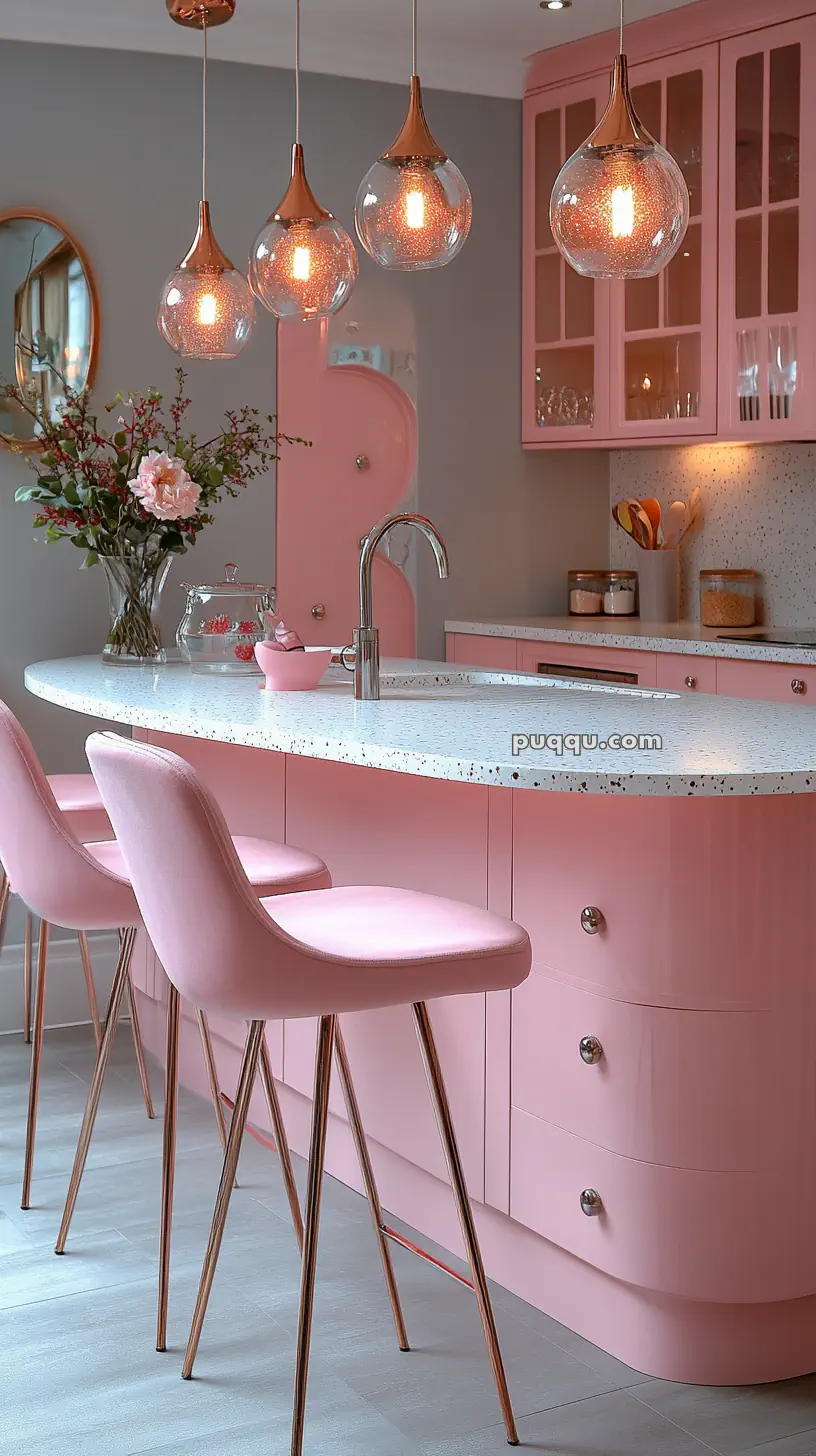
x=414 y=207
x=620 y=204
x=303 y=263
x=206 y=310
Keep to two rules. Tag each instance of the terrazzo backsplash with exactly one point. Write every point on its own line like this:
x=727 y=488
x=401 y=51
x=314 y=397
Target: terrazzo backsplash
x=759 y=511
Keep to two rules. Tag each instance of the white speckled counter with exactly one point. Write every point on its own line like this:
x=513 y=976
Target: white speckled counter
x=630 y=632
x=447 y=723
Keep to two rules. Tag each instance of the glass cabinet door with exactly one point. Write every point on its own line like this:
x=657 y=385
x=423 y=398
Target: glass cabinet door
x=664 y=329
x=767 y=388
x=565 y=336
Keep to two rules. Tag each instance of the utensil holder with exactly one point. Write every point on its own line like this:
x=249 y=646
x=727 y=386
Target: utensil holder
x=659 y=581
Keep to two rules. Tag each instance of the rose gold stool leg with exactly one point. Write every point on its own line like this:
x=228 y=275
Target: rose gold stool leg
x=317 y=1150
x=168 y=1160
x=212 y=1078
x=92 y=1104
x=36 y=1059
x=246 y=1082
x=369 y=1182
x=28 y=959
x=89 y=985
x=136 y=1032
x=433 y=1071
x=279 y=1134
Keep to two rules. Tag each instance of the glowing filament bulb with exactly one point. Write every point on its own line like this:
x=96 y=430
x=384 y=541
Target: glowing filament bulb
x=415 y=210
x=208 y=309
x=302 y=264
x=647 y=384
x=623 y=212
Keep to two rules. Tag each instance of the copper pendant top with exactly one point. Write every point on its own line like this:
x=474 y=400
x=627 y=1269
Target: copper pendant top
x=299 y=203
x=620 y=125
x=205 y=252
x=415 y=139
x=198 y=13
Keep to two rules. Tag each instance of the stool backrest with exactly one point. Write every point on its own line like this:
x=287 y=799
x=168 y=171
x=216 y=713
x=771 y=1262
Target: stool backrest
x=209 y=930
x=55 y=875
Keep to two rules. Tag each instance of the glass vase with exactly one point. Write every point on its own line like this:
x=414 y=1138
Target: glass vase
x=135 y=585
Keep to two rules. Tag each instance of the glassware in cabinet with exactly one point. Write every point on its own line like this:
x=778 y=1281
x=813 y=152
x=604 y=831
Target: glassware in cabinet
x=565 y=342
x=664 y=329
x=767 y=234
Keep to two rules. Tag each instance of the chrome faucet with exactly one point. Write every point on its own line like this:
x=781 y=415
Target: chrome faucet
x=366 y=647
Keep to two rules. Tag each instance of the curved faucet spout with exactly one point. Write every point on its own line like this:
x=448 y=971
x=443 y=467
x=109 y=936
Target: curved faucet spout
x=372 y=541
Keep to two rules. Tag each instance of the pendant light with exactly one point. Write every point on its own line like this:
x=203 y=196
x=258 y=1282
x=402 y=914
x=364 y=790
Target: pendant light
x=207 y=310
x=620 y=205
x=303 y=263
x=414 y=207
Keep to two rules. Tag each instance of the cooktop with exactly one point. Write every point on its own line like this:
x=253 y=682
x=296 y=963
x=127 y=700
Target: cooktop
x=777 y=636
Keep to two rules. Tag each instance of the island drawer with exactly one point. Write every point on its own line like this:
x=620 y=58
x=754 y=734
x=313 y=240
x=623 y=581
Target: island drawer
x=679 y=673
x=775 y=682
x=691 y=902
x=713 y=1090
x=721 y=1237
x=498 y=653
x=604 y=664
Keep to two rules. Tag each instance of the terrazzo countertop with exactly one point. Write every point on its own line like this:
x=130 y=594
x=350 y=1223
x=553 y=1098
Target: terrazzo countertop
x=687 y=637
x=439 y=721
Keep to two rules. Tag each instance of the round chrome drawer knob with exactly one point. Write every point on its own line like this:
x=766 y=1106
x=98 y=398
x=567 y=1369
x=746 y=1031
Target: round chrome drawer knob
x=591 y=1050
x=318 y=611
x=799 y=686
x=362 y=462
x=591 y=919
x=691 y=682
x=591 y=1203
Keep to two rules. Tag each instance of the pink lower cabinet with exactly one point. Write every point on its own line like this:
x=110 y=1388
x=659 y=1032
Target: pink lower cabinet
x=498 y=653
x=775 y=682
x=605 y=664
x=677 y=672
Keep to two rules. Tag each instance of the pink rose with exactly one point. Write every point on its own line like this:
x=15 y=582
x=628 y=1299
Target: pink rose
x=164 y=487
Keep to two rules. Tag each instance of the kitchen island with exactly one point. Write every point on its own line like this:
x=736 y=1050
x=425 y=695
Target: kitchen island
x=638 y=1120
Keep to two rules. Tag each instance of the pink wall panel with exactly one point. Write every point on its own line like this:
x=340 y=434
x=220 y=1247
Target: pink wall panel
x=373 y=827
x=325 y=504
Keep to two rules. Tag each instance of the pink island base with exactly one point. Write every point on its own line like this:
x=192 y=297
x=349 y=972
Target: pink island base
x=697 y=1126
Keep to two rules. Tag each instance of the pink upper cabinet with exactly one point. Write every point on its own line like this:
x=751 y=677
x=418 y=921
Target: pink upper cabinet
x=565 y=388
x=664 y=329
x=768 y=234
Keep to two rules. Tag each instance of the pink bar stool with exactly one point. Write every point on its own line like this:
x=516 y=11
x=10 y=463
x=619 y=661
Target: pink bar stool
x=78 y=798
x=86 y=886
x=354 y=948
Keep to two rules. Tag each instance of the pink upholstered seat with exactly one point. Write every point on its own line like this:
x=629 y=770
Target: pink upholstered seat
x=79 y=798
x=331 y=951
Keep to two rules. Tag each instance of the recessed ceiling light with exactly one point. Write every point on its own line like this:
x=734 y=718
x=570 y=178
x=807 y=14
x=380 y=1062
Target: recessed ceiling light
x=555 y=4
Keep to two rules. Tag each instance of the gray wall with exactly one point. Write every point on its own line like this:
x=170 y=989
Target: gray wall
x=110 y=143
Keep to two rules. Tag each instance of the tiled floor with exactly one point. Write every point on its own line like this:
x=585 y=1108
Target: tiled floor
x=79 y=1375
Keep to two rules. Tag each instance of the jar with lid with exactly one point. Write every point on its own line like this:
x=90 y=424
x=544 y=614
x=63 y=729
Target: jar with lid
x=620 y=593
x=222 y=623
x=728 y=598
x=586 y=593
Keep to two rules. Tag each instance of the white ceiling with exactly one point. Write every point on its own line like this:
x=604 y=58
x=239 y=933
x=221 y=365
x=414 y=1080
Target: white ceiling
x=465 y=45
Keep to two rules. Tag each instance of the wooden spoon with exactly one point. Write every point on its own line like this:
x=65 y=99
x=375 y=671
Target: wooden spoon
x=675 y=521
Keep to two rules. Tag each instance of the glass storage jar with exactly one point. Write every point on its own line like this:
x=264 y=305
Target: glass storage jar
x=223 y=622
x=728 y=598
x=586 y=593
x=620 y=594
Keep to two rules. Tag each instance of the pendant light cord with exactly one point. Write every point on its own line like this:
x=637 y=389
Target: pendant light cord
x=204 y=121
x=414 y=71
x=621 y=27
x=297 y=71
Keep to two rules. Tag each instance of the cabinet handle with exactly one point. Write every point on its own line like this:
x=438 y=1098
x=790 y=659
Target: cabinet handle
x=591 y=1203
x=691 y=682
x=799 y=686
x=362 y=462
x=592 y=919
x=591 y=1050
x=318 y=611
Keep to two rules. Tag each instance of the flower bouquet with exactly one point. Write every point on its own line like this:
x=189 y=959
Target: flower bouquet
x=135 y=497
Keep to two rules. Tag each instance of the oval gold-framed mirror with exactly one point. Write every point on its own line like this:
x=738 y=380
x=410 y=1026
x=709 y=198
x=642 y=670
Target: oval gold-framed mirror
x=49 y=319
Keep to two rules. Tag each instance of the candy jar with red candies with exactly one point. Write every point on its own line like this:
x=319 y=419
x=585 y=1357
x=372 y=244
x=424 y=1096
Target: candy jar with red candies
x=222 y=623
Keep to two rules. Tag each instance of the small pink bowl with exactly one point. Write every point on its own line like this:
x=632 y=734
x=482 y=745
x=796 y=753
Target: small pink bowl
x=290 y=672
